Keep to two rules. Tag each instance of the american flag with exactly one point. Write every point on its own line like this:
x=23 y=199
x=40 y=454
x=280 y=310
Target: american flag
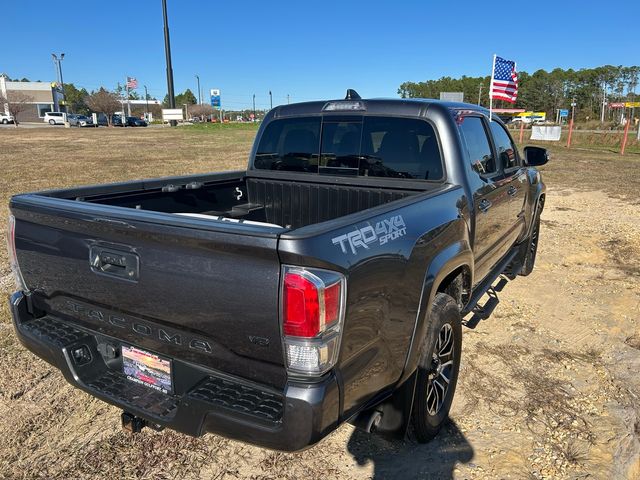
x=132 y=83
x=504 y=84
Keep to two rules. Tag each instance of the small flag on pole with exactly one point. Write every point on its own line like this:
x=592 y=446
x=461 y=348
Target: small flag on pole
x=132 y=83
x=504 y=81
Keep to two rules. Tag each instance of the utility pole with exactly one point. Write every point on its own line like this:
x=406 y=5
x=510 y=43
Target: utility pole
x=254 y=107
x=199 y=96
x=58 y=63
x=271 y=99
x=288 y=99
x=604 y=101
x=480 y=94
x=573 y=115
x=167 y=51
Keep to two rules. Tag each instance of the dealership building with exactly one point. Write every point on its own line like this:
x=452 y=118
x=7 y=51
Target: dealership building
x=40 y=98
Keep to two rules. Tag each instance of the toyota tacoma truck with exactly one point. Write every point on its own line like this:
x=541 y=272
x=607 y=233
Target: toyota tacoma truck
x=324 y=284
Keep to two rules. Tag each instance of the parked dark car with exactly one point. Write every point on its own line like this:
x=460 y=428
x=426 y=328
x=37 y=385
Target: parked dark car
x=324 y=284
x=136 y=122
x=116 y=121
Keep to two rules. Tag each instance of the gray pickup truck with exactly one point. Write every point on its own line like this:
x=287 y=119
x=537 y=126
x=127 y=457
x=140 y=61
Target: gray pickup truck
x=324 y=284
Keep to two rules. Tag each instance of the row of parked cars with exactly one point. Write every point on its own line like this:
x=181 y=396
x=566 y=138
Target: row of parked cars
x=76 y=120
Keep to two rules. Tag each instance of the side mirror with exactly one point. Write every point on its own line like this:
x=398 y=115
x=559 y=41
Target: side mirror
x=535 y=156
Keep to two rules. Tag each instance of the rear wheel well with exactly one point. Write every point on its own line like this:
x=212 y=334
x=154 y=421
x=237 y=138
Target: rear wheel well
x=457 y=285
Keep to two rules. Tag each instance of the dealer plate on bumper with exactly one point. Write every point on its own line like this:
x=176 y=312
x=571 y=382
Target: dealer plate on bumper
x=146 y=368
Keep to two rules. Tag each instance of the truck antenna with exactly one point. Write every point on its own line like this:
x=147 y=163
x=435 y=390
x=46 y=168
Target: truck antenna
x=352 y=95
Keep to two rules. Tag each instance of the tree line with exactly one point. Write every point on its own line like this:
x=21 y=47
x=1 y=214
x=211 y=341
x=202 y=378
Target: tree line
x=544 y=91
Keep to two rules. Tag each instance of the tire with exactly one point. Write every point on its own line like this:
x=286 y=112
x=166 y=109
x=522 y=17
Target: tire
x=443 y=344
x=52 y=122
x=5 y=121
x=532 y=246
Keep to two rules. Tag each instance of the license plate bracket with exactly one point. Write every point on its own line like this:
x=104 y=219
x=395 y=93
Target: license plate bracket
x=147 y=369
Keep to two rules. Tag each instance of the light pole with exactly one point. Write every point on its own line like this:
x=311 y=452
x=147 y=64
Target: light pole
x=271 y=99
x=199 y=95
x=167 y=51
x=58 y=63
x=480 y=94
x=254 y=107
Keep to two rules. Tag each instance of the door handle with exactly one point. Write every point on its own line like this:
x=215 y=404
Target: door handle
x=512 y=191
x=484 y=205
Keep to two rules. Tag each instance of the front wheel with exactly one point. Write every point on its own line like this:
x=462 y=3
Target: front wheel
x=5 y=121
x=438 y=369
x=52 y=122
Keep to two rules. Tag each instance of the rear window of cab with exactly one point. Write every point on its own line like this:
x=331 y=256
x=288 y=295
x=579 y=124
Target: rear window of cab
x=351 y=145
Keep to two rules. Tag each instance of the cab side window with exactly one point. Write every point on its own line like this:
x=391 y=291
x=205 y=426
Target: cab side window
x=505 y=149
x=475 y=139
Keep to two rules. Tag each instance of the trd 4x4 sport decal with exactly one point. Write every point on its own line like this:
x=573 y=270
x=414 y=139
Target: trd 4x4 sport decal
x=383 y=232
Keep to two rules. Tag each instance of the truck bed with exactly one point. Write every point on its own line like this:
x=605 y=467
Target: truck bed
x=287 y=203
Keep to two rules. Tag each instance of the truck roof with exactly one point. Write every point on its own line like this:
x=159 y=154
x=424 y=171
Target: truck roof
x=374 y=106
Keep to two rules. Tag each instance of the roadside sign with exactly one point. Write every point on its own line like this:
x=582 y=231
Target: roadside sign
x=533 y=115
x=215 y=98
x=172 y=114
x=616 y=105
x=452 y=96
x=564 y=112
x=632 y=104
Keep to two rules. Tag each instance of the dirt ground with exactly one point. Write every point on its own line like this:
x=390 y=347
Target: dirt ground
x=549 y=386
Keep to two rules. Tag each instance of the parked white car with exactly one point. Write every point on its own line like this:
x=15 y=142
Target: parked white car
x=55 y=118
x=6 y=118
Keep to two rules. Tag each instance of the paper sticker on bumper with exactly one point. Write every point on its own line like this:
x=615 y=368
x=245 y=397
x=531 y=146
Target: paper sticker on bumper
x=146 y=369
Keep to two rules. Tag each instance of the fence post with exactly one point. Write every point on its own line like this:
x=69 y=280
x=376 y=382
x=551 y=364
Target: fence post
x=570 y=132
x=521 y=130
x=626 y=133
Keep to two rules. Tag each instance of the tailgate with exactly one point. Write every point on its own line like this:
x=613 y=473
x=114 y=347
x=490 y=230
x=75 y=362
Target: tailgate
x=190 y=289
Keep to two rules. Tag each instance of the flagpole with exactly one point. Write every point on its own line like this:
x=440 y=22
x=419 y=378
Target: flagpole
x=493 y=70
x=128 y=104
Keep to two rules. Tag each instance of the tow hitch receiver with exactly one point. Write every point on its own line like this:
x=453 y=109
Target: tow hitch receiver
x=135 y=424
x=132 y=423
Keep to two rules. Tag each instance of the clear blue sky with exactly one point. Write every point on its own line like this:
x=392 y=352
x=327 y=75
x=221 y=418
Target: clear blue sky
x=308 y=49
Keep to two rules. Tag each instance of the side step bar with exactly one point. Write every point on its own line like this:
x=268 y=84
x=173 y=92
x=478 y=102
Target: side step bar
x=486 y=284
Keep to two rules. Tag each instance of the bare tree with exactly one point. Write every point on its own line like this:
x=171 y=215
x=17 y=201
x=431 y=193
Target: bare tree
x=17 y=103
x=105 y=102
x=201 y=110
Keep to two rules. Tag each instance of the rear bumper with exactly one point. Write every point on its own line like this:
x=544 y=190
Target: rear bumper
x=203 y=400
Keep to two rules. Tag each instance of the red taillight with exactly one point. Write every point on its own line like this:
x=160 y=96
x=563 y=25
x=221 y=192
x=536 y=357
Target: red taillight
x=309 y=305
x=313 y=306
x=332 y=303
x=301 y=306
